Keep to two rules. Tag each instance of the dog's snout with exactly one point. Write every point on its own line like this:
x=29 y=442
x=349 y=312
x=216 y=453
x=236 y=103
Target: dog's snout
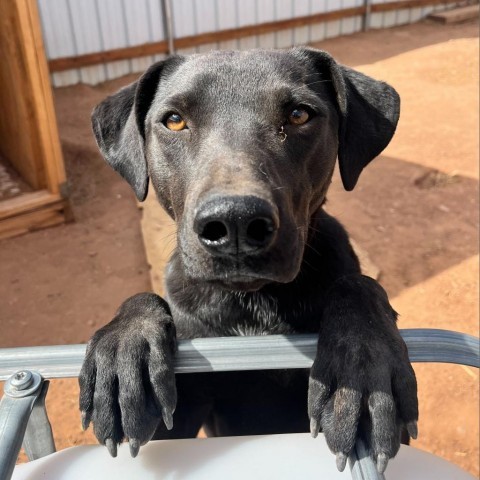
x=236 y=225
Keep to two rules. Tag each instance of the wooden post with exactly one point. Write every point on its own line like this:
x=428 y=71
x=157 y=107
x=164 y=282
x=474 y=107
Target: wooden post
x=29 y=139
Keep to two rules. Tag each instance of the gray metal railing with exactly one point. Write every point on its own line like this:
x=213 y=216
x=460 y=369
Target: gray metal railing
x=22 y=409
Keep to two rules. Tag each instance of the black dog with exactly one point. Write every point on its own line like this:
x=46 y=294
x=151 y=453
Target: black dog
x=240 y=148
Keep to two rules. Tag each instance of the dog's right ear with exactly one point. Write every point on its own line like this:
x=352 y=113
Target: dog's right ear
x=119 y=125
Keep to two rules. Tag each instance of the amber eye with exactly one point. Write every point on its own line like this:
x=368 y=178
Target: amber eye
x=175 y=122
x=299 y=116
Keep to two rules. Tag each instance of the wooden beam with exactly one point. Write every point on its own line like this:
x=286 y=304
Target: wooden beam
x=47 y=119
x=28 y=130
x=457 y=15
x=32 y=211
x=27 y=201
x=68 y=63
x=403 y=4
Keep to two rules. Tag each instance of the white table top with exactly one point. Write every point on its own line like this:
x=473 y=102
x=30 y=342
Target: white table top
x=279 y=457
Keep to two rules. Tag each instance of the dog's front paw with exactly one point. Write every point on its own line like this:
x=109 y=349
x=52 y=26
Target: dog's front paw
x=361 y=382
x=127 y=381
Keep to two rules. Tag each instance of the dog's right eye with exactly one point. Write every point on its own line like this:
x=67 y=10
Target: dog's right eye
x=175 y=122
x=298 y=116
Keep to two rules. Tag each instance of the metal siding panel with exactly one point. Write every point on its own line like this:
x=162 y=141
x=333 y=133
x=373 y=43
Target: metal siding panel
x=114 y=35
x=319 y=6
x=348 y=26
x=59 y=40
x=227 y=11
x=332 y=5
x=376 y=20
x=87 y=37
x=416 y=15
x=301 y=35
x=333 y=29
x=63 y=79
x=138 y=31
x=301 y=8
x=186 y=51
x=155 y=19
x=206 y=16
x=265 y=13
x=247 y=43
x=229 y=45
x=227 y=14
x=427 y=11
x=284 y=39
x=184 y=18
x=85 y=30
x=265 y=41
x=317 y=32
x=246 y=12
x=403 y=16
x=93 y=75
x=247 y=15
x=285 y=10
x=389 y=19
x=72 y=27
x=56 y=28
x=208 y=47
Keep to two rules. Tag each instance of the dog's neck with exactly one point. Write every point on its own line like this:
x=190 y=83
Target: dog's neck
x=207 y=309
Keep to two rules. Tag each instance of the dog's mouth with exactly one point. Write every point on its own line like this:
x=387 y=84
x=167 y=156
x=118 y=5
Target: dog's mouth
x=246 y=274
x=241 y=283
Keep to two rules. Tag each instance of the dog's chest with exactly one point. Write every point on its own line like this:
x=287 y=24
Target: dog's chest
x=256 y=314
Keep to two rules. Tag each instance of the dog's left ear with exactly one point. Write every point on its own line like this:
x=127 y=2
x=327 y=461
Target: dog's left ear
x=119 y=125
x=369 y=111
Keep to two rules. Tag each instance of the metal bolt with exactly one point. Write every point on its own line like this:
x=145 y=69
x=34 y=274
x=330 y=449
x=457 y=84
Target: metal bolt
x=21 y=380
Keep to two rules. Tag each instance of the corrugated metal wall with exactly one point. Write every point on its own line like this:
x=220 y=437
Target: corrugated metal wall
x=74 y=27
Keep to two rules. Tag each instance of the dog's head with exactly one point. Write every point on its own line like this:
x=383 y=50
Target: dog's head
x=240 y=148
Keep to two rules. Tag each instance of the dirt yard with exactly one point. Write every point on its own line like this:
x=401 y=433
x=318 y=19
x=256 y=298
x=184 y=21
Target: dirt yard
x=415 y=211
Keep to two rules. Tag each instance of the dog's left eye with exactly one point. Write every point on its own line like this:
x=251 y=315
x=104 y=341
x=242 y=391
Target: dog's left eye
x=298 y=116
x=175 y=122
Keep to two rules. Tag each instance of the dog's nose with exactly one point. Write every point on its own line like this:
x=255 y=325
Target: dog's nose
x=236 y=225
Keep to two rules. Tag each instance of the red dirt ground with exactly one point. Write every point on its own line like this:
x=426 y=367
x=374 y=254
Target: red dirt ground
x=415 y=211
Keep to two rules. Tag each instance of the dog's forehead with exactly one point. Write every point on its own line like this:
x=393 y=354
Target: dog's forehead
x=244 y=72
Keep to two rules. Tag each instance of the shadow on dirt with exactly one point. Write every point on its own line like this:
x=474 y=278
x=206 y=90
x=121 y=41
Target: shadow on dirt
x=413 y=221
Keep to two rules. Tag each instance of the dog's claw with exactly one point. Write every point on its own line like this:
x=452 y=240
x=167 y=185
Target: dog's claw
x=167 y=418
x=412 y=429
x=134 y=446
x=382 y=462
x=85 y=420
x=111 y=447
x=314 y=427
x=341 y=461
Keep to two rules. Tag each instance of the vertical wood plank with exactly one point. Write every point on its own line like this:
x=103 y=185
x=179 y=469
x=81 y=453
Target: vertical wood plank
x=28 y=129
